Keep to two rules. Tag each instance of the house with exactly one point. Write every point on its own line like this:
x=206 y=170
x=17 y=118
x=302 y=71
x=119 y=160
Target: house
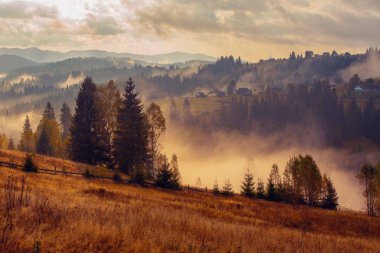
x=200 y=95
x=244 y=92
x=216 y=93
x=359 y=90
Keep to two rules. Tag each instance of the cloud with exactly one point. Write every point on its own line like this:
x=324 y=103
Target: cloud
x=101 y=26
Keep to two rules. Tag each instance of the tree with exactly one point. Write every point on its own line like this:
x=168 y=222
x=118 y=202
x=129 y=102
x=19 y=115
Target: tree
x=166 y=177
x=157 y=126
x=216 y=189
x=366 y=177
x=174 y=167
x=248 y=185
x=11 y=144
x=27 y=141
x=65 y=120
x=173 y=112
x=131 y=135
x=274 y=185
x=48 y=134
x=231 y=88
x=108 y=102
x=260 y=193
x=29 y=165
x=329 y=195
x=187 y=116
x=83 y=136
x=227 y=188
x=43 y=146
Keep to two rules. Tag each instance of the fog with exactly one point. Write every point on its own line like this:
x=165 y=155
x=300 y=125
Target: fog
x=222 y=155
x=369 y=68
x=71 y=80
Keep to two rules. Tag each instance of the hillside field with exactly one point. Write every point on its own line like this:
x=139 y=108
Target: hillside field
x=58 y=213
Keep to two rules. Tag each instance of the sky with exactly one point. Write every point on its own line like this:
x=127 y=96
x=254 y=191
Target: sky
x=251 y=29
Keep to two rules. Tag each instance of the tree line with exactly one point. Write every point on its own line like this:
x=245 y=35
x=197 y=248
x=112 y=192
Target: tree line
x=107 y=129
x=340 y=118
x=301 y=183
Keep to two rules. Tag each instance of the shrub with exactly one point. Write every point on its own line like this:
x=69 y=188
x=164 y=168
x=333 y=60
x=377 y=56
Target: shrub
x=117 y=177
x=29 y=165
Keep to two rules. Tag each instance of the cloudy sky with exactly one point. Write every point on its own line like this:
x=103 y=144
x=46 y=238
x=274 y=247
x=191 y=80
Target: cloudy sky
x=252 y=29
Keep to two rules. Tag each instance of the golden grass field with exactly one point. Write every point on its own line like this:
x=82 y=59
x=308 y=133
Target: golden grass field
x=74 y=214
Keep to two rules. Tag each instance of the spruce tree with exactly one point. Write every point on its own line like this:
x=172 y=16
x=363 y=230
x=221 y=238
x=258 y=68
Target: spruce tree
x=248 y=185
x=27 y=141
x=227 y=188
x=330 y=197
x=43 y=146
x=260 y=189
x=131 y=135
x=65 y=120
x=11 y=144
x=83 y=136
x=48 y=112
x=271 y=192
x=216 y=189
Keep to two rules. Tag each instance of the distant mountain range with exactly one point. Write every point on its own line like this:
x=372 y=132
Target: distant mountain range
x=10 y=62
x=43 y=56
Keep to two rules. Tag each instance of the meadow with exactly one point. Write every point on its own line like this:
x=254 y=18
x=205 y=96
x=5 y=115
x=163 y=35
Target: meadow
x=56 y=213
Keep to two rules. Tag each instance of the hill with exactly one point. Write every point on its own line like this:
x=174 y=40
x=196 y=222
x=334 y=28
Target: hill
x=11 y=62
x=44 y=56
x=73 y=214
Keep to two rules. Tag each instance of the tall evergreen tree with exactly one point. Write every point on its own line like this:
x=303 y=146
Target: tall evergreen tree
x=27 y=141
x=11 y=144
x=131 y=135
x=260 y=189
x=83 y=136
x=248 y=185
x=65 y=120
x=329 y=197
x=48 y=134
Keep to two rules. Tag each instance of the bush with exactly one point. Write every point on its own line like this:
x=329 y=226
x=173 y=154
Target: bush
x=117 y=178
x=29 y=165
x=88 y=174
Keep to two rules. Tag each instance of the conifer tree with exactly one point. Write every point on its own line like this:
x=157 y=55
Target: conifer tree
x=173 y=112
x=167 y=177
x=227 y=188
x=216 y=189
x=27 y=141
x=260 y=193
x=330 y=197
x=11 y=144
x=83 y=136
x=175 y=169
x=131 y=135
x=187 y=116
x=48 y=134
x=248 y=185
x=65 y=120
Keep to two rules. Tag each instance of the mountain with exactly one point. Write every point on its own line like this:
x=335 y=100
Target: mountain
x=44 y=56
x=11 y=62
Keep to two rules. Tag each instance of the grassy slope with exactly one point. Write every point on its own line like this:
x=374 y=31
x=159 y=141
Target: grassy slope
x=73 y=214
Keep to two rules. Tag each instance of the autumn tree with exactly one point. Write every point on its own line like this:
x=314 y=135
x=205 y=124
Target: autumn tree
x=156 y=128
x=248 y=185
x=274 y=190
x=366 y=177
x=131 y=135
x=27 y=140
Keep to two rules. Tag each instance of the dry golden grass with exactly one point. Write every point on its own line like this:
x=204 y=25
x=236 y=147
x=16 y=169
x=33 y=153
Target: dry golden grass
x=73 y=214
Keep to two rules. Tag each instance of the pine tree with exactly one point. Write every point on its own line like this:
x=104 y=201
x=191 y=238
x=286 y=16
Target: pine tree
x=227 y=188
x=43 y=146
x=260 y=189
x=83 y=136
x=65 y=120
x=271 y=193
x=29 y=165
x=187 y=116
x=48 y=134
x=166 y=177
x=11 y=144
x=330 y=197
x=131 y=135
x=173 y=112
x=216 y=189
x=27 y=141
x=248 y=185
x=175 y=169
